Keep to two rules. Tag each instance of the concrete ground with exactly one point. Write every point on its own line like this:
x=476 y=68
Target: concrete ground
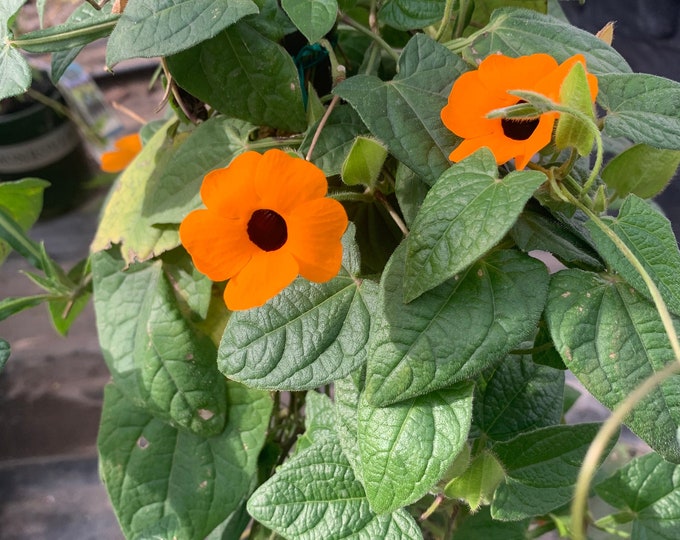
x=51 y=387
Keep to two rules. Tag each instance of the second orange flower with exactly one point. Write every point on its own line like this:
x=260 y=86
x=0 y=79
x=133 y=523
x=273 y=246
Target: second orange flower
x=477 y=93
x=267 y=220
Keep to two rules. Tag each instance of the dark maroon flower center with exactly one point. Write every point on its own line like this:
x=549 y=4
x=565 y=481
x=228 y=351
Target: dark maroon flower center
x=267 y=230
x=519 y=129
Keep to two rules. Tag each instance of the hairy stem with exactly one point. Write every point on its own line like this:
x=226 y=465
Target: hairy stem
x=374 y=36
x=319 y=128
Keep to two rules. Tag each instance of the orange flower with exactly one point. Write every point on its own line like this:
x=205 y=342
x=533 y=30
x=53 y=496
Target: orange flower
x=476 y=93
x=267 y=219
x=126 y=149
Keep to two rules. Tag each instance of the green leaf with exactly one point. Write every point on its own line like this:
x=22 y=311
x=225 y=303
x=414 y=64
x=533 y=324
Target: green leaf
x=572 y=131
x=70 y=35
x=483 y=9
x=316 y=495
x=482 y=525
x=4 y=353
x=541 y=469
x=454 y=331
x=83 y=13
x=124 y=220
x=612 y=339
x=404 y=113
x=22 y=200
x=8 y=10
x=410 y=191
x=537 y=230
x=156 y=358
x=642 y=170
x=650 y=237
x=642 y=108
x=14 y=236
x=347 y=396
x=377 y=234
x=307 y=336
x=517 y=395
x=192 y=289
x=518 y=32
x=244 y=75
x=151 y=28
x=213 y=144
x=16 y=73
x=65 y=310
x=162 y=479
x=410 y=14
x=406 y=448
x=649 y=487
x=314 y=18
x=545 y=353
x=478 y=483
x=319 y=420
x=465 y=214
x=14 y=304
x=336 y=139
x=364 y=162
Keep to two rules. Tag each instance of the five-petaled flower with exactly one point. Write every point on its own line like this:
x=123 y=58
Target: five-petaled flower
x=267 y=220
x=476 y=93
x=126 y=149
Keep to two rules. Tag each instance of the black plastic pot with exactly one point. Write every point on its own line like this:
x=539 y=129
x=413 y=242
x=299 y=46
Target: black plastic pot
x=37 y=141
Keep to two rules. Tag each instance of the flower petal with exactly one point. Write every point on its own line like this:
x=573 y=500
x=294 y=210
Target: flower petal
x=469 y=103
x=539 y=139
x=282 y=181
x=314 y=232
x=219 y=247
x=500 y=73
x=550 y=84
x=265 y=276
x=126 y=149
x=229 y=191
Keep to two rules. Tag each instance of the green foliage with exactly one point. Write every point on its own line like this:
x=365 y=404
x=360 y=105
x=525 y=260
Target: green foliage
x=314 y=18
x=641 y=170
x=406 y=15
x=149 y=466
x=648 y=490
x=316 y=495
x=251 y=77
x=466 y=213
x=541 y=468
x=642 y=108
x=4 y=353
x=516 y=32
x=404 y=113
x=573 y=132
x=16 y=74
x=486 y=311
x=150 y=28
x=611 y=337
x=419 y=392
x=22 y=201
x=407 y=447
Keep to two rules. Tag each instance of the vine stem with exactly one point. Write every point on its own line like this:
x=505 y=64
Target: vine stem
x=597 y=447
x=375 y=37
x=592 y=127
x=392 y=212
x=446 y=19
x=321 y=125
x=624 y=408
